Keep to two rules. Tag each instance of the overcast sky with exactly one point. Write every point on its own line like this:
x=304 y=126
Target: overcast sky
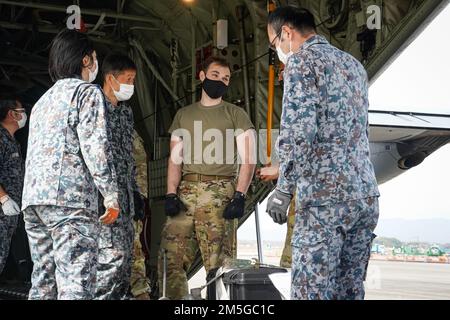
x=419 y=81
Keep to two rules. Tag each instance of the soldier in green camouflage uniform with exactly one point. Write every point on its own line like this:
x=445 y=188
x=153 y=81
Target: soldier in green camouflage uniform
x=286 y=256
x=203 y=201
x=201 y=226
x=271 y=173
x=324 y=155
x=139 y=283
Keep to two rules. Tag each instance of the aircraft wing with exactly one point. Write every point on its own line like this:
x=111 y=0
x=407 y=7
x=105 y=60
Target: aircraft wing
x=402 y=140
x=391 y=126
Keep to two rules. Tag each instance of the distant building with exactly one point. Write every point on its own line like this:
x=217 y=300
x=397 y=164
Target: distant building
x=378 y=248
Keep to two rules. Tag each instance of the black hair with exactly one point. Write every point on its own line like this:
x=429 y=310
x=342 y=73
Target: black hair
x=216 y=60
x=300 y=19
x=7 y=105
x=67 y=51
x=116 y=63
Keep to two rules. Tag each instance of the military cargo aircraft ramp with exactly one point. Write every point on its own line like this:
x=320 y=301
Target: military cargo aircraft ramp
x=168 y=40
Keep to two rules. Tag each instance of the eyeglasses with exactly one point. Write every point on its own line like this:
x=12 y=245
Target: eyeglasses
x=272 y=44
x=19 y=110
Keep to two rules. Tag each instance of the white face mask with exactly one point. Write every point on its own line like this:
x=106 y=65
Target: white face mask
x=125 y=92
x=22 y=122
x=284 y=56
x=93 y=74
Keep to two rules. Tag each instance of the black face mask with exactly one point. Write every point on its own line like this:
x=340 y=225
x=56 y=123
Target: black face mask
x=215 y=89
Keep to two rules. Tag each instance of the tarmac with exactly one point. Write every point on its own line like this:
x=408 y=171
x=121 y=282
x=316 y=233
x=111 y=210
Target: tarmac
x=395 y=280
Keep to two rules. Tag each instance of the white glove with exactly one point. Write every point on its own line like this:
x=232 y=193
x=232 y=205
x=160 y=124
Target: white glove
x=111 y=202
x=112 y=211
x=10 y=208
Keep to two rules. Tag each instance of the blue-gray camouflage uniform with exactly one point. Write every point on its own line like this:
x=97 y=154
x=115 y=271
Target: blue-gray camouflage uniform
x=324 y=156
x=11 y=179
x=116 y=240
x=68 y=160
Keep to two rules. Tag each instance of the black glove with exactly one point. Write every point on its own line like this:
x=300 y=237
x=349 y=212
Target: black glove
x=173 y=205
x=101 y=205
x=139 y=206
x=278 y=205
x=235 y=209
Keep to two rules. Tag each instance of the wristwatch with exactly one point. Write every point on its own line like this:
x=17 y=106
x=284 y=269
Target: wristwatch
x=4 y=199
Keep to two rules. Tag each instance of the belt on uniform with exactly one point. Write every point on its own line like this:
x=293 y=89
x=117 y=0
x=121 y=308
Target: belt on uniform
x=204 y=177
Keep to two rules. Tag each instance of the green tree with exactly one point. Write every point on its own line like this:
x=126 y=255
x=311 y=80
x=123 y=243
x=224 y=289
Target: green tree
x=388 y=242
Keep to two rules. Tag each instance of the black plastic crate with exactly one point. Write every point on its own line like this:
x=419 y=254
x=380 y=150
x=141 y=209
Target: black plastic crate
x=252 y=284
